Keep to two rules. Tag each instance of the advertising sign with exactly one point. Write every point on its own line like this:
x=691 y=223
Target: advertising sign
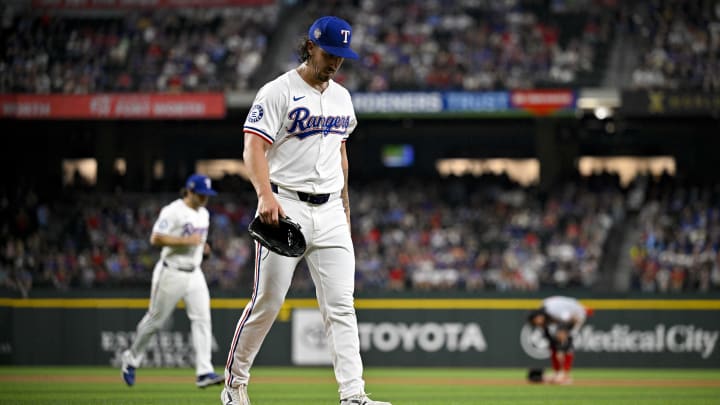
x=309 y=343
x=494 y=334
x=113 y=106
x=498 y=338
x=491 y=101
x=543 y=102
x=623 y=338
x=488 y=103
x=670 y=103
x=398 y=102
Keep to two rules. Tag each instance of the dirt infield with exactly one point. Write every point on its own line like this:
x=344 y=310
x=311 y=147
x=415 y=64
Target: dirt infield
x=438 y=381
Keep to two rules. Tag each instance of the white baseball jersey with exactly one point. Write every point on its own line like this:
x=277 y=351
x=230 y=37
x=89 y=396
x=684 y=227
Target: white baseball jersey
x=177 y=219
x=171 y=284
x=565 y=309
x=306 y=129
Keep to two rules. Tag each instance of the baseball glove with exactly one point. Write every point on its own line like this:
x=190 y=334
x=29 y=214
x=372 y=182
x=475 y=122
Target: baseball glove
x=535 y=375
x=284 y=239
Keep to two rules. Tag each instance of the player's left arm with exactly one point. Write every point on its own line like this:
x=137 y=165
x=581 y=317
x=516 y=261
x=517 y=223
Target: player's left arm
x=345 y=193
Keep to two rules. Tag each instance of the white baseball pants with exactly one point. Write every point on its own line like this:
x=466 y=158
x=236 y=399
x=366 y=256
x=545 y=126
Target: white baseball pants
x=331 y=260
x=168 y=287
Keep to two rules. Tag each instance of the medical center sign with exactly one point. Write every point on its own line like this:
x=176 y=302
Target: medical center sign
x=622 y=338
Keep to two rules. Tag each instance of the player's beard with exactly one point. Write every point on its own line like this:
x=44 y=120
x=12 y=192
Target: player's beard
x=320 y=75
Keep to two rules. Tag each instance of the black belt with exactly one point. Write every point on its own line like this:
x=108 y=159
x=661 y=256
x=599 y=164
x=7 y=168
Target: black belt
x=316 y=199
x=185 y=269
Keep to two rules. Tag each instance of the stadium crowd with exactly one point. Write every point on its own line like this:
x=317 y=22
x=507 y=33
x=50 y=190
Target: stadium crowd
x=404 y=45
x=678 y=244
x=475 y=45
x=466 y=234
x=678 y=43
x=434 y=45
x=161 y=50
x=480 y=234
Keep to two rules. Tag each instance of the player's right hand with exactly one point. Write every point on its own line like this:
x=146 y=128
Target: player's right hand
x=269 y=209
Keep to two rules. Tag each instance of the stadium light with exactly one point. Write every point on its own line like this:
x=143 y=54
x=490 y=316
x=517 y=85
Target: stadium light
x=602 y=112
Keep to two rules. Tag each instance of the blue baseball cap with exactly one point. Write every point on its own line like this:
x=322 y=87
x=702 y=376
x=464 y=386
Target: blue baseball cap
x=333 y=35
x=199 y=184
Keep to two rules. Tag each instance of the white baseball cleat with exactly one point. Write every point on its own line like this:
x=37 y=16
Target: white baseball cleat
x=550 y=379
x=563 y=378
x=235 y=396
x=361 y=399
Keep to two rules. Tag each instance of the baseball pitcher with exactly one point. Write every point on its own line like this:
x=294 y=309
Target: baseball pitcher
x=295 y=137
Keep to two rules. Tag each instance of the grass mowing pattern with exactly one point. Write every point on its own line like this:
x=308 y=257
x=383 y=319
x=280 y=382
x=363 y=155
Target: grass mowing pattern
x=401 y=386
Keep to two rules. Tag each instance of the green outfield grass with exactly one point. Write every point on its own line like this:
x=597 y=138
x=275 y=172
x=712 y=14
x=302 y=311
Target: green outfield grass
x=402 y=386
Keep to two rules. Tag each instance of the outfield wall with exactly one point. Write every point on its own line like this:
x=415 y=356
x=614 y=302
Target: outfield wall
x=400 y=332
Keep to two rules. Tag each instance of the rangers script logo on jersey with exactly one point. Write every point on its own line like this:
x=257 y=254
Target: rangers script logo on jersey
x=303 y=124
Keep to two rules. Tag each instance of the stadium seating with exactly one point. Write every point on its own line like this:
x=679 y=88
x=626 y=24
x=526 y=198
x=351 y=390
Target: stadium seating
x=483 y=45
x=463 y=235
x=678 y=44
x=405 y=46
x=678 y=240
x=163 y=50
x=449 y=45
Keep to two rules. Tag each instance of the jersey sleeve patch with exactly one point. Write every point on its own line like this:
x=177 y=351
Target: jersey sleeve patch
x=256 y=113
x=165 y=222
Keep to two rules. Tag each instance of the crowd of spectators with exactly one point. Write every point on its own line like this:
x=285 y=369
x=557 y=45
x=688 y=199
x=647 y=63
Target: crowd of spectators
x=161 y=50
x=463 y=45
x=91 y=240
x=678 y=245
x=459 y=234
x=480 y=234
x=473 y=44
x=405 y=45
x=678 y=43
x=467 y=234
